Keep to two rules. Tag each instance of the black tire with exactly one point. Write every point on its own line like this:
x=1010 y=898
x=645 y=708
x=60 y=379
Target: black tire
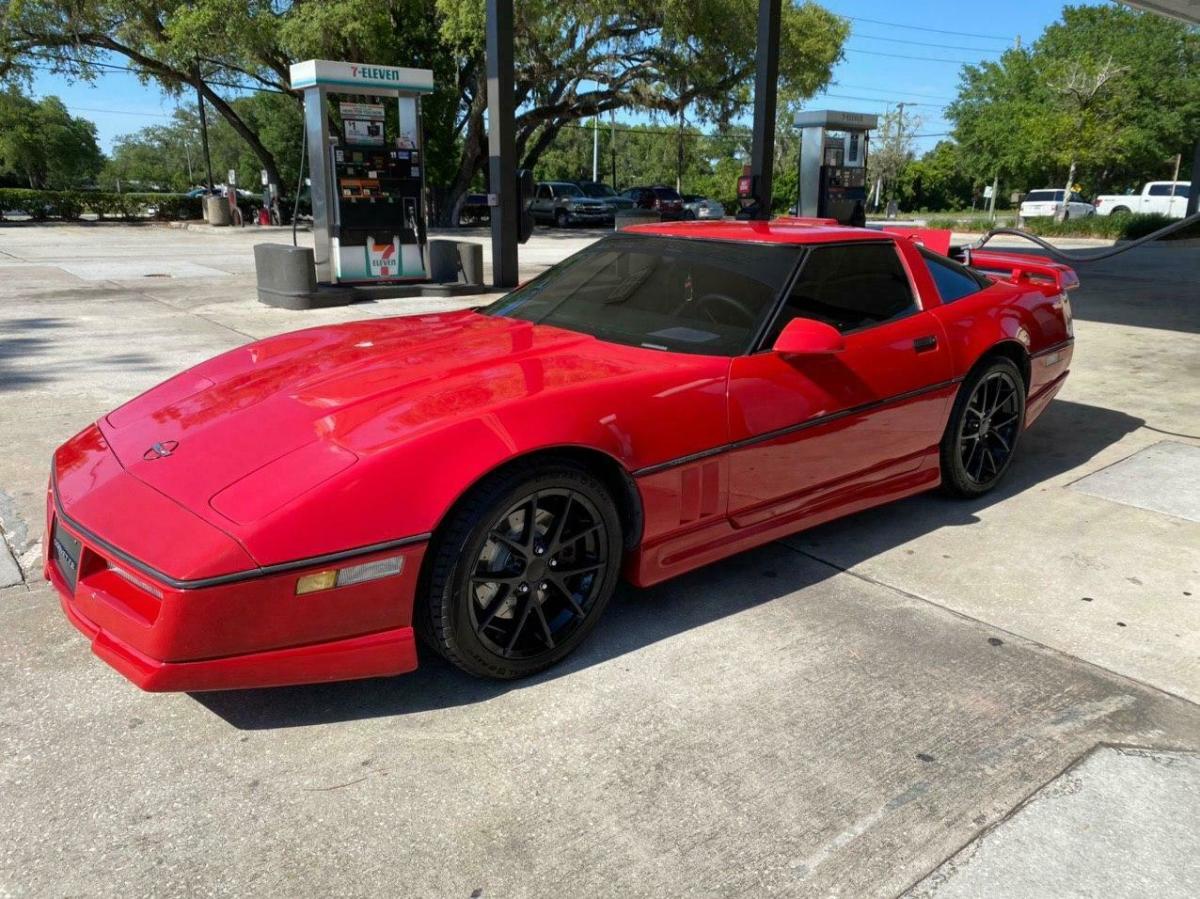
x=1120 y=210
x=478 y=608
x=561 y=219
x=975 y=450
x=1067 y=216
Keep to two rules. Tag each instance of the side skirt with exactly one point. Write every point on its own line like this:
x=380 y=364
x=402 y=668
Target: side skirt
x=673 y=555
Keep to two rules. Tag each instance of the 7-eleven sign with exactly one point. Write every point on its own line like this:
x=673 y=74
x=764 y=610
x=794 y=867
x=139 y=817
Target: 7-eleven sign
x=384 y=258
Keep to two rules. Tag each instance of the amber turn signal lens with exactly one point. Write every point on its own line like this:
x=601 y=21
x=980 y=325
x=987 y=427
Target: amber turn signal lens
x=354 y=574
x=321 y=580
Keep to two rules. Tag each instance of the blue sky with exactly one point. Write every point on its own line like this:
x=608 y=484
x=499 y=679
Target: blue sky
x=865 y=81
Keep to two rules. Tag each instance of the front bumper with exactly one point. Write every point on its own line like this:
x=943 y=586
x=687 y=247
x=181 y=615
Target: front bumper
x=253 y=632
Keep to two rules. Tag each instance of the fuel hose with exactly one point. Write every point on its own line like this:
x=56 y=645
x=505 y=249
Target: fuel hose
x=1076 y=258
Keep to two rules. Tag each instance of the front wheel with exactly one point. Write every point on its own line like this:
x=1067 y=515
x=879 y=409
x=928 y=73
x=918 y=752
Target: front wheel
x=985 y=425
x=522 y=571
x=561 y=219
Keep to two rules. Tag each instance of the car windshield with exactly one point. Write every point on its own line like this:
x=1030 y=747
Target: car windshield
x=688 y=296
x=568 y=190
x=599 y=190
x=666 y=193
x=1044 y=196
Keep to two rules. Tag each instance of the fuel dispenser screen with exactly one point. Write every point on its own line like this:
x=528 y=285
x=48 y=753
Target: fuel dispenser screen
x=380 y=229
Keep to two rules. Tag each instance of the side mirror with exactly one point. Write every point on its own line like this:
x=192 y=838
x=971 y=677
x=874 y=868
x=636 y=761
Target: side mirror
x=805 y=337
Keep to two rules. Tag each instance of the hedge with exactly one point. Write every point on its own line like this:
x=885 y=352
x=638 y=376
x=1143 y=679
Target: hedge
x=1111 y=227
x=69 y=205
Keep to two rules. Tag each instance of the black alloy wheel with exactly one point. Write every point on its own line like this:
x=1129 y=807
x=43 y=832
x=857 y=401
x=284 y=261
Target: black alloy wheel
x=984 y=428
x=522 y=570
x=537 y=576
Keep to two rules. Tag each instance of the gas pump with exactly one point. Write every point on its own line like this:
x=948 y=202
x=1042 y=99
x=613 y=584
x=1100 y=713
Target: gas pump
x=833 y=165
x=367 y=175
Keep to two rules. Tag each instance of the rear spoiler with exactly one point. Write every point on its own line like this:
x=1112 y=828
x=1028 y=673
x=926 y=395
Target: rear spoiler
x=1019 y=267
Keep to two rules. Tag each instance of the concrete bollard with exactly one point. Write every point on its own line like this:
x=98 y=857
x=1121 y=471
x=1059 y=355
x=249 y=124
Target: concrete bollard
x=217 y=211
x=626 y=217
x=455 y=261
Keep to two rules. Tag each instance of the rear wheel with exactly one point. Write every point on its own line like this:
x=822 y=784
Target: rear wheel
x=522 y=571
x=985 y=425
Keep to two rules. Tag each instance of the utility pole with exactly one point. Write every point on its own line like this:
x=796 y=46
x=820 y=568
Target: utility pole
x=596 y=148
x=1017 y=42
x=1193 y=205
x=203 y=128
x=679 y=147
x=502 y=149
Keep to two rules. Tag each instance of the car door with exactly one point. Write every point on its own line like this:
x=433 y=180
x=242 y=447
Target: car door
x=805 y=427
x=542 y=206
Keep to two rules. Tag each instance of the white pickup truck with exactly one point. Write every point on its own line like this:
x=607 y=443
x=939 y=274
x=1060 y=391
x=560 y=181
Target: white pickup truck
x=1169 y=198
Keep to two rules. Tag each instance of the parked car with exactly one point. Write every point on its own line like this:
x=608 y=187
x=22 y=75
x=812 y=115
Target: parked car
x=475 y=210
x=598 y=190
x=697 y=207
x=1043 y=203
x=1169 y=198
x=663 y=200
x=301 y=508
x=564 y=203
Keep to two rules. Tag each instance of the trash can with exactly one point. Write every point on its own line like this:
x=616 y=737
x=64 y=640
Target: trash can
x=455 y=261
x=217 y=209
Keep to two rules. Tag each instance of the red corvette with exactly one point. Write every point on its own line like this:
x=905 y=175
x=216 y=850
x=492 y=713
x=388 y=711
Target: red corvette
x=298 y=509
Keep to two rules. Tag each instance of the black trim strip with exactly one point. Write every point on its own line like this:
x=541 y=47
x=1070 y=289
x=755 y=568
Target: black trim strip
x=792 y=429
x=236 y=577
x=1053 y=349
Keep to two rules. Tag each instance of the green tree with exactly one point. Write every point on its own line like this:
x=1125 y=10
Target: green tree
x=937 y=181
x=43 y=145
x=574 y=59
x=1027 y=115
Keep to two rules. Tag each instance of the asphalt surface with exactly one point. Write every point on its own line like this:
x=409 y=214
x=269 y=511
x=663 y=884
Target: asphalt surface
x=880 y=705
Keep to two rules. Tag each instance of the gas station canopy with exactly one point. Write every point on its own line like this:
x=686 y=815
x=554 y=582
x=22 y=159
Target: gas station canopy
x=1186 y=10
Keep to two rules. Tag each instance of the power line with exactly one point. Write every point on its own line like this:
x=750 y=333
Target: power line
x=986 y=37
x=117 y=68
x=883 y=100
x=964 y=62
x=896 y=40
x=160 y=115
x=863 y=87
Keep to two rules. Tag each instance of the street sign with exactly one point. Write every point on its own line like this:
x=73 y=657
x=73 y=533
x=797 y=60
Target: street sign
x=987 y=192
x=232 y=179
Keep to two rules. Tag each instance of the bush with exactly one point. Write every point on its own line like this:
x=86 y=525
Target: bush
x=69 y=205
x=1111 y=227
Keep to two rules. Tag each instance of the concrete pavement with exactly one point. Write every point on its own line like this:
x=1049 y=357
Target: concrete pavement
x=839 y=713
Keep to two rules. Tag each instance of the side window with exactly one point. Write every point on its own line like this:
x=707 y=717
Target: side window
x=1160 y=190
x=850 y=287
x=543 y=192
x=953 y=280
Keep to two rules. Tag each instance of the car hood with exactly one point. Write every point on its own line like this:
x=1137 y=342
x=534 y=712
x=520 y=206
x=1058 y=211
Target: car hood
x=248 y=431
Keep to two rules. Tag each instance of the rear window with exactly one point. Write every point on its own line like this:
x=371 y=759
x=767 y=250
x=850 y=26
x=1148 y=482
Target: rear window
x=666 y=193
x=953 y=281
x=688 y=296
x=1164 y=190
x=1043 y=196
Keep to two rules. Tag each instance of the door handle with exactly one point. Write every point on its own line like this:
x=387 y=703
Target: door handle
x=925 y=344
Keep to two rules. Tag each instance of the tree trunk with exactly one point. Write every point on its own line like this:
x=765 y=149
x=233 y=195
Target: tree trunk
x=470 y=162
x=1061 y=214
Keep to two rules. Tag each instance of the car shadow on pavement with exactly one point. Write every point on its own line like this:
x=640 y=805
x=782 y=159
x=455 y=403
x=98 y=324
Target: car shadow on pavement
x=1066 y=437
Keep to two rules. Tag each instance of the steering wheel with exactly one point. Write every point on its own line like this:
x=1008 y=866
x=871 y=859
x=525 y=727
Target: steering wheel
x=709 y=303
